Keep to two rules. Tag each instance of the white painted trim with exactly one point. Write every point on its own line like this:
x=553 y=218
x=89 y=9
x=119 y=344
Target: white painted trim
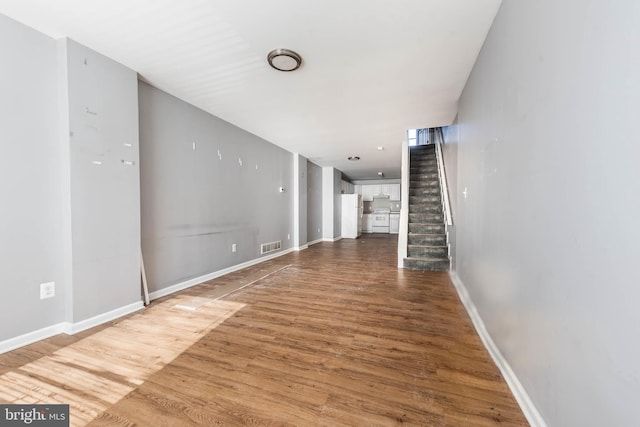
x=335 y=239
x=301 y=248
x=403 y=231
x=296 y=198
x=83 y=325
x=200 y=279
x=522 y=397
x=314 y=242
x=31 y=337
x=67 y=327
x=446 y=232
x=444 y=187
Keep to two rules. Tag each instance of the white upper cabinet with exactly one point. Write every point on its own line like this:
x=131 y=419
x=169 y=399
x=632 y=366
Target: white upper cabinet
x=395 y=192
x=369 y=191
x=346 y=187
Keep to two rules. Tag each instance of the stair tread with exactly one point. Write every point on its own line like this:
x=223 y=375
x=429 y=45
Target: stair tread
x=427 y=258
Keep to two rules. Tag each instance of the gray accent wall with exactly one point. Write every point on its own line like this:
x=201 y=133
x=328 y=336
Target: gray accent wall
x=547 y=237
x=206 y=185
x=65 y=219
x=314 y=202
x=105 y=182
x=337 y=203
x=31 y=186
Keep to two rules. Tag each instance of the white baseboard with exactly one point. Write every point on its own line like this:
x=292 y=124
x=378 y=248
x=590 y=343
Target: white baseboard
x=67 y=327
x=31 y=337
x=200 y=279
x=335 y=239
x=314 y=242
x=301 y=248
x=83 y=325
x=522 y=397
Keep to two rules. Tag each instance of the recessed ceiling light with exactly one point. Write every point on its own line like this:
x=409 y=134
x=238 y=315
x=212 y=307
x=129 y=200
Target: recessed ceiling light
x=380 y=148
x=284 y=60
x=353 y=158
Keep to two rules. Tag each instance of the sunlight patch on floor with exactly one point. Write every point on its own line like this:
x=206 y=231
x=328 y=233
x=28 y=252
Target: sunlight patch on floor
x=96 y=372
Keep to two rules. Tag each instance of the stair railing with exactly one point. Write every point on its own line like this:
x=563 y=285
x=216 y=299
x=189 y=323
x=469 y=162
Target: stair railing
x=444 y=188
x=403 y=231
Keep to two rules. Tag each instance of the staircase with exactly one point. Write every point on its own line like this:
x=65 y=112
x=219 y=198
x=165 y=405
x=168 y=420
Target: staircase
x=427 y=243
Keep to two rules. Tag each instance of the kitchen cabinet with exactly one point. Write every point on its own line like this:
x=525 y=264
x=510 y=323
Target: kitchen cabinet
x=346 y=187
x=394 y=223
x=366 y=223
x=394 y=192
x=367 y=193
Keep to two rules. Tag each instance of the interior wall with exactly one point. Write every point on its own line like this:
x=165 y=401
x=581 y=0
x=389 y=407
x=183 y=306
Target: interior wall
x=205 y=186
x=337 y=203
x=105 y=182
x=547 y=235
x=314 y=202
x=31 y=247
x=300 y=167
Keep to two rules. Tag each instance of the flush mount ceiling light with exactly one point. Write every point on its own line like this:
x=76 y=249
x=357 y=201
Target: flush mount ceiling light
x=284 y=60
x=353 y=158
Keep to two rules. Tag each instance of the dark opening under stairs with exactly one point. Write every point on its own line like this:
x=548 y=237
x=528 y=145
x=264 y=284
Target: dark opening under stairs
x=427 y=242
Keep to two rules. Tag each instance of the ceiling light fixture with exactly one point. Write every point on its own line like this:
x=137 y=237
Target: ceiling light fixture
x=380 y=148
x=380 y=174
x=353 y=158
x=284 y=60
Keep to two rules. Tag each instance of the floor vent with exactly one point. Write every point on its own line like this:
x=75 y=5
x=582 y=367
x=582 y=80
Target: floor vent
x=265 y=248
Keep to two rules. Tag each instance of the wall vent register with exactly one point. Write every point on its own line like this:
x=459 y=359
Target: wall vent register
x=266 y=248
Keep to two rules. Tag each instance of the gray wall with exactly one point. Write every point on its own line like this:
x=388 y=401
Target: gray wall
x=32 y=241
x=337 y=203
x=314 y=202
x=105 y=197
x=197 y=203
x=547 y=238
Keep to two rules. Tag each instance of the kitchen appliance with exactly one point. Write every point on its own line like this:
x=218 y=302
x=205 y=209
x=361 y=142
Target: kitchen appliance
x=380 y=216
x=380 y=221
x=352 y=209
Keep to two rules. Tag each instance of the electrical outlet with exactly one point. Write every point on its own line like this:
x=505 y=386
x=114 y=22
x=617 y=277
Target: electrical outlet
x=234 y=247
x=47 y=290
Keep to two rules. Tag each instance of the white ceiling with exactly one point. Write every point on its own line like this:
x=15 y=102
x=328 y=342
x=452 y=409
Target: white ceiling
x=372 y=68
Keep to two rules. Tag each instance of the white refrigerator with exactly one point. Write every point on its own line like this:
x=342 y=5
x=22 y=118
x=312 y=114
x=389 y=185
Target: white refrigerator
x=352 y=210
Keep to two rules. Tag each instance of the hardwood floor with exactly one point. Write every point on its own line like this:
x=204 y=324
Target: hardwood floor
x=333 y=335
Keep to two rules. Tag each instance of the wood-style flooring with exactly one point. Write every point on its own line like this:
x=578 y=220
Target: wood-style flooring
x=333 y=335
